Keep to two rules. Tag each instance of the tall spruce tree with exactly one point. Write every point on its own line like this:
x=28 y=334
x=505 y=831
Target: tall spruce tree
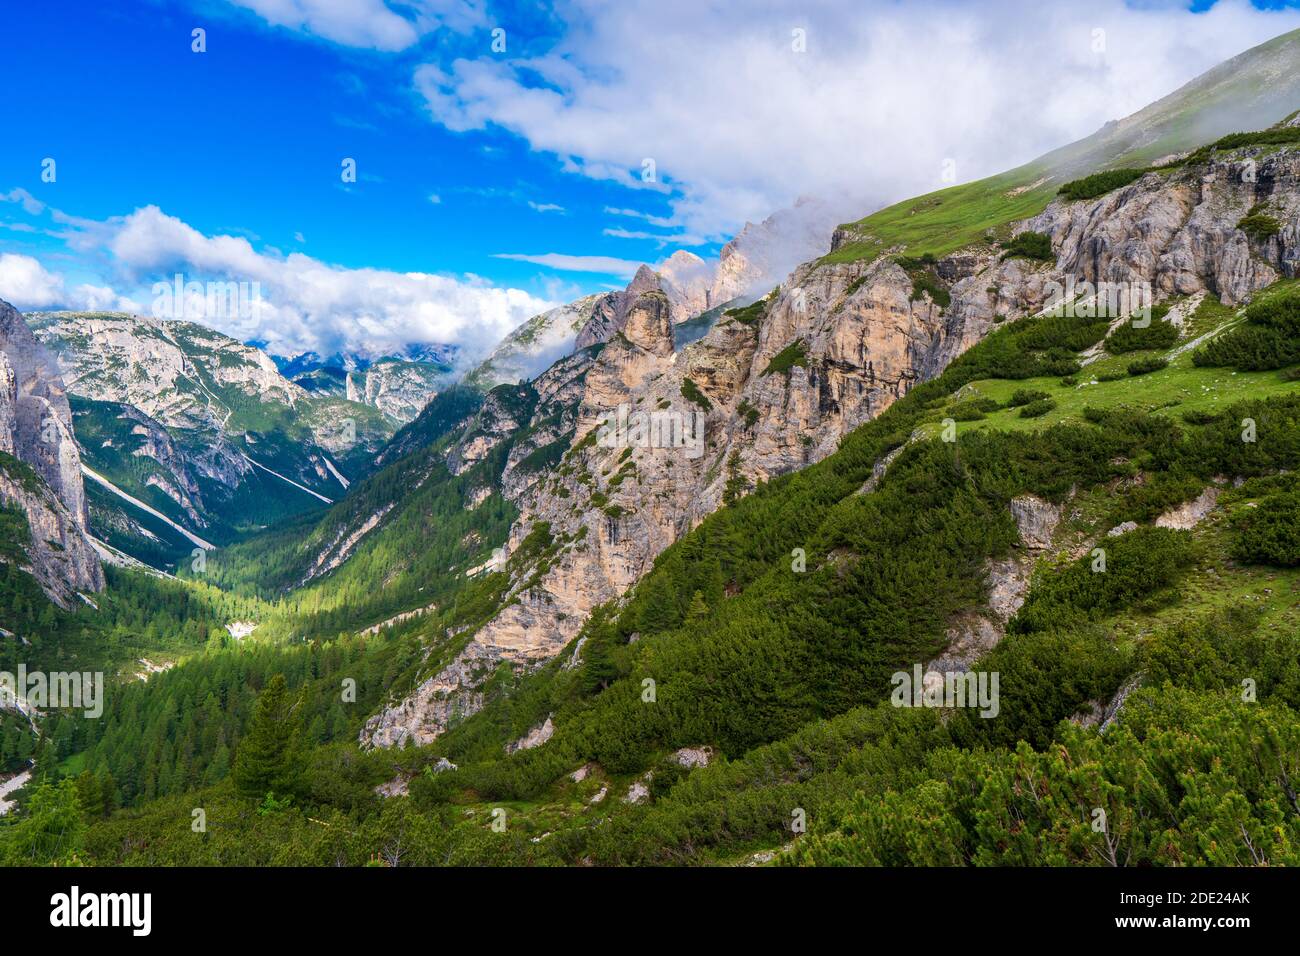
x=268 y=758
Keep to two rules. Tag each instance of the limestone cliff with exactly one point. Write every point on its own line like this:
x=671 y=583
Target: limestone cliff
x=40 y=468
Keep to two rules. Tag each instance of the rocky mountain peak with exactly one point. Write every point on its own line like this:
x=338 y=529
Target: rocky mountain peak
x=645 y=280
x=687 y=279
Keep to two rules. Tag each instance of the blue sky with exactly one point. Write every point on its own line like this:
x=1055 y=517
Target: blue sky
x=512 y=180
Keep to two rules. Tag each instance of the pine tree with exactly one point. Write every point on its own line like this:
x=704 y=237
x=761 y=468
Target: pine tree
x=90 y=793
x=699 y=609
x=268 y=758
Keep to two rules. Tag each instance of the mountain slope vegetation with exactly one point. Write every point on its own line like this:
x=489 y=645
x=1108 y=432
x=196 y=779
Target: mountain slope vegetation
x=1091 y=517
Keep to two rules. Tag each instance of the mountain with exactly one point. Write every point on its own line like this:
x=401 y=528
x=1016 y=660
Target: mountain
x=535 y=345
x=193 y=438
x=896 y=564
x=41 y=496
x=762 y=254
x=398 y=384
x=1253 y=90
x=781 y=383
x=697 y=290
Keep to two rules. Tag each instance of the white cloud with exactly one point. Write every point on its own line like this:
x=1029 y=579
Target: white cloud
x=662 y=221
x=435 y=198
x=677 y=239
x=545 y=206
x=739 y=124
x=302 y=304
x=371 y=24
x=607 y=265
x=25 y=284
x=31 y=205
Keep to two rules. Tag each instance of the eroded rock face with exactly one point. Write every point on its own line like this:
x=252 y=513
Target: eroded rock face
x=776 y=390
x=42 y=476
x=187 y=391
x=534 y=738
x=1179 y=232
x=506 y=409
x=1036 y=520
x=1190 y=513
x=398 y=389
x=761 y=253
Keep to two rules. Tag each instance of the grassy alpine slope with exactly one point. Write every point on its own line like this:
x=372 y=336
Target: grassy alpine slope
x=1249 y=91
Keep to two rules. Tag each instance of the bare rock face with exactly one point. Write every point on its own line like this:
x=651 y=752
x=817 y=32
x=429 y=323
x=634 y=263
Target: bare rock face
x=534 y=738
x=188 y=390
x=41 y=474
x=530 y=349
x=398 y=389
x=1036 y=519
x=775 y=388
x=692 y=757
x=505 y=410
x=1180 y=233
x=761 y=253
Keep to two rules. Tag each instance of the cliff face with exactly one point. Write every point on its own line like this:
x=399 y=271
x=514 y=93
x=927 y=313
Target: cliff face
x=1179 y=232
x=41 y=471
x=778 y=385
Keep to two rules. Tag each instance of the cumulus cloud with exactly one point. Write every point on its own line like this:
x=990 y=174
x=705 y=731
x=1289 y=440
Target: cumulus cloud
x=306 y=304
x=741 y=114
x=26 y=284
x=294 y=303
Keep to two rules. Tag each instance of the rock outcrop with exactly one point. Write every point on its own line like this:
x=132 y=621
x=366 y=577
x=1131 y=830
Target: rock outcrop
x=40 y=467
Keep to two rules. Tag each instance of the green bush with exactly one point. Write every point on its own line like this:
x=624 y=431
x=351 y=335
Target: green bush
x=1130 y=338
x=1139 y=569
x=972 y=410
x=1098 y=184
x=1147 y=365
x=1260 y=226
x=1030 y=245
x=925 y=283
x=796 y=353
x=1270 y=532
x=1269 y=339
x=1037 y=409
x=1023 y=396
x=691 y=392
